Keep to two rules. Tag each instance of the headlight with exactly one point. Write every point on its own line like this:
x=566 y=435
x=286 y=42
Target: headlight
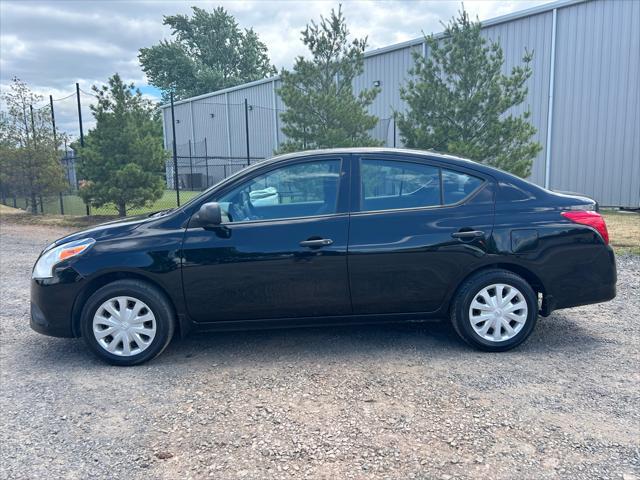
x=49 y=259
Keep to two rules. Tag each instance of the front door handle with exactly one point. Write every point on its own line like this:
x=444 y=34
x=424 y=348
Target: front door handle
x=316 y=243
x=468 y=235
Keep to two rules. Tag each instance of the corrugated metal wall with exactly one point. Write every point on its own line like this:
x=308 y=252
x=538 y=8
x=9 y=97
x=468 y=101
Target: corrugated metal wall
x=210 y=122
x=596 y=125
x=596 y=109
x=533 y=34
x=391 y=69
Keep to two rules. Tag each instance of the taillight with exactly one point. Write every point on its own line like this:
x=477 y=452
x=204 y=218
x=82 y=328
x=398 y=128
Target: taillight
x=590 y=218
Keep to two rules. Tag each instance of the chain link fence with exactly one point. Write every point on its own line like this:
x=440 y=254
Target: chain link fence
x=197 y=171
x=230 y=139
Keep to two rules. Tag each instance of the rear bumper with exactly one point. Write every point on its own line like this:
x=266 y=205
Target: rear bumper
x=584 y=281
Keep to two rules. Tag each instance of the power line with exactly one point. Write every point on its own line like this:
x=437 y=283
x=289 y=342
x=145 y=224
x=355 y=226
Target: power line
x=63 y=98
x=90 y=94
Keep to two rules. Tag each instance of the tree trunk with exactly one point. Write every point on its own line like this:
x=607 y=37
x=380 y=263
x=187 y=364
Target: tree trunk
x=34 y=203
x=122 y=209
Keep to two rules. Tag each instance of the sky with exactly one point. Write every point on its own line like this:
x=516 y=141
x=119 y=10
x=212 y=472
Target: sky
x=52 y=45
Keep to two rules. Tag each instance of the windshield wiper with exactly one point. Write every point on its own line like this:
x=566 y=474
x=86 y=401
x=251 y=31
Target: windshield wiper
x=161 y=213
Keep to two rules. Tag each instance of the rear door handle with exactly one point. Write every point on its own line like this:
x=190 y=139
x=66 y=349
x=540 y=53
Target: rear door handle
x=468 y=235
x=316 y=243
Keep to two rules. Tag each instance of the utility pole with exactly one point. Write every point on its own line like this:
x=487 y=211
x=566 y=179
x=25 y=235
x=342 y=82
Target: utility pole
x=53 y=123
x=55 y=145
x=34 y=205
x=79 y=115
x=175 y=152
x=33 y=125
x=88 y=209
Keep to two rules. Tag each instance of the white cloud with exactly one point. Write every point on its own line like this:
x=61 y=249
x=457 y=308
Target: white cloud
x=52 y=45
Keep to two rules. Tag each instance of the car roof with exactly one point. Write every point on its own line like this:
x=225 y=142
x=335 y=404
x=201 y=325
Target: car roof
x=451 y=159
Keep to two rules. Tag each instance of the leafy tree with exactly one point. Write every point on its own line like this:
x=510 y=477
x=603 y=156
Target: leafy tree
x=123 y=159
x=322 y=109
x=29 y=161
x=209 y=52
x=460 y=102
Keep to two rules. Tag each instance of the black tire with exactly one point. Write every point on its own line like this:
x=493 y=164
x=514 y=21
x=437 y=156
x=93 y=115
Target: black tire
x=152 y=297
x=466 y=294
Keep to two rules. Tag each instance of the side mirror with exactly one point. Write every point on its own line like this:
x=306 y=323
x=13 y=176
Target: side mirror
x=210 y=215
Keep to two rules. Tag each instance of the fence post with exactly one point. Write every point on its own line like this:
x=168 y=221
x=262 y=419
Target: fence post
x=41 y=205
x=88 y=209
x=15 y=201
x=246 y=128
x=61 y=204
x=394 y=132
x=206 y=162
x=175 y=152
x=190 y=166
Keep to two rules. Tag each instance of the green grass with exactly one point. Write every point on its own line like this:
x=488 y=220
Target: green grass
x=73 y=204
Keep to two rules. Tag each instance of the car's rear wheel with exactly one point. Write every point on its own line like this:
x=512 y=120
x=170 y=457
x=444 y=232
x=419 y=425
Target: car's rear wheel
x=494 y=310
x=127 y=322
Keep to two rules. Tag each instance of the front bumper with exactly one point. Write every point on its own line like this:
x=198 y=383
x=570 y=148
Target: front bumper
x=52 y=303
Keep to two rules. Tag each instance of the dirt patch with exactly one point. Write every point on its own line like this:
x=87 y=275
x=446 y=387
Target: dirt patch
x=385 y=401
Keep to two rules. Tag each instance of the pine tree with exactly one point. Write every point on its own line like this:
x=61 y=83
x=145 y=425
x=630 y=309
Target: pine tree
x=460 y=102
x=322 y=109
x=123 y=159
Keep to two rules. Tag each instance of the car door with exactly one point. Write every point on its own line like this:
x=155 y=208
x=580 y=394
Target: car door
x=281 y=249
x=418 y=226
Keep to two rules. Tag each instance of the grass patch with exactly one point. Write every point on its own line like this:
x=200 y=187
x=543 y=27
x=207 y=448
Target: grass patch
x=75 y=211
x=624 y=230
x=20 y=217
x=73 y=204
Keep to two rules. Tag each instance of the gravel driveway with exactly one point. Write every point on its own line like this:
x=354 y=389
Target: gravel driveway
x=398 y=401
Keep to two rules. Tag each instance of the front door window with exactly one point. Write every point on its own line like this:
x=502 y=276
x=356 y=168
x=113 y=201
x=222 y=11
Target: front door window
x=299 y=190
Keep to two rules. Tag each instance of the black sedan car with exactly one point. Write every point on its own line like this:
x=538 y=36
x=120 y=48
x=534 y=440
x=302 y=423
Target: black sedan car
x=331 y=237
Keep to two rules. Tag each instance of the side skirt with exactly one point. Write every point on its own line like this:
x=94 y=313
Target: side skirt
x=271 y=323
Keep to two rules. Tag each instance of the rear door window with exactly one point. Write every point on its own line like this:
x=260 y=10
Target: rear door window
x=395 y=184
x=457 y=186
x=390 y=184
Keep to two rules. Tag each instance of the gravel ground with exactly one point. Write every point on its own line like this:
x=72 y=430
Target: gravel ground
x=398 y=401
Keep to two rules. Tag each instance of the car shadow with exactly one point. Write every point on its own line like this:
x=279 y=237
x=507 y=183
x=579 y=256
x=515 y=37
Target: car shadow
x=429 y=340
x=433 y=340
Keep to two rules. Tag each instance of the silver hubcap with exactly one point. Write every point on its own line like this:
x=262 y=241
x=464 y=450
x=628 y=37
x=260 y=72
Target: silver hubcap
x=498 y=312
x=124 y=326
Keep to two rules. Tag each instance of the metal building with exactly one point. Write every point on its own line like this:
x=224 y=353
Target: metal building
x=584 y=96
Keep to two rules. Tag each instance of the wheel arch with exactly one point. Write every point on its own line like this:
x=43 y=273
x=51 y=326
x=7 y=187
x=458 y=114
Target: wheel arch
x=529 y=276
x=110 y=277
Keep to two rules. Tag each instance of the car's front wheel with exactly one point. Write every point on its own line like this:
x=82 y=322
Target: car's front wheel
x=127 y=322
x=494 y=310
